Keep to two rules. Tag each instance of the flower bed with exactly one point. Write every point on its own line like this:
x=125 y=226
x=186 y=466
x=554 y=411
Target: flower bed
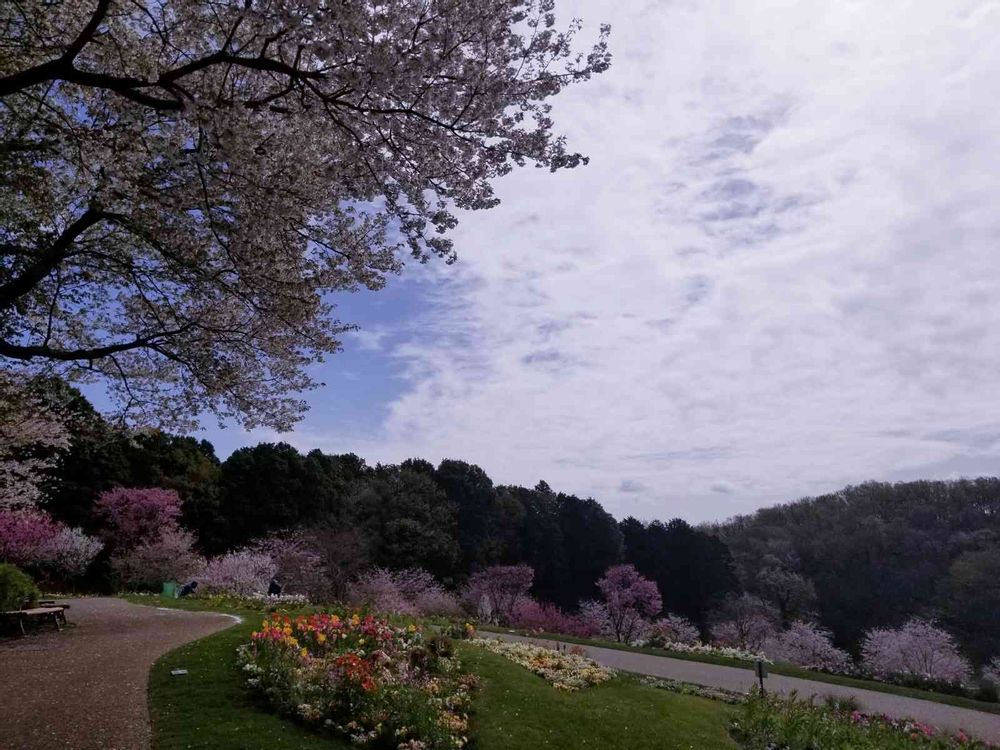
x=773 y=722
x=724 y=652
x=565 y=671
x=731 y=697
x=361 y=678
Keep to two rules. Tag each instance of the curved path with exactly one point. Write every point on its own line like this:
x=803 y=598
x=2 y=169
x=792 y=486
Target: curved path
x=85 y=687
x=983 y=725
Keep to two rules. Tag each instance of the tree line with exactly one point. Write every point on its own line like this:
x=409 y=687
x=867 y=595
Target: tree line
x=867 y=556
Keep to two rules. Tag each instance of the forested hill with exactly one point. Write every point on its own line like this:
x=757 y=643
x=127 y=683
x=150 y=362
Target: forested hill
x=869 y=555
x=875 y=553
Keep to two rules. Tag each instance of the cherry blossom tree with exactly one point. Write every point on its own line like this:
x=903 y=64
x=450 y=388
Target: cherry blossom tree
x=186 y=182
x=32 y=434
x=34 y=540
x=744 y=622
x=497 y=590
x=168 y=557
x=299 y=566
x=919 y=648
x=530 y=614
x=630 y=600
x=807 y=645
x=242 y=573
x=410 y=592
x=131 y=516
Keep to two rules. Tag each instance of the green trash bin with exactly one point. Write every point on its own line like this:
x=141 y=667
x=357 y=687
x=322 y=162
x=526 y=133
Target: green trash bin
x=170 y=589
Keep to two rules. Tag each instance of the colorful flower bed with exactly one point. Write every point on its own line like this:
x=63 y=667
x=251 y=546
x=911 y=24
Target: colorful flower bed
x=565 y=671
x=721 y=651
x=362 y=678
x=776 y=723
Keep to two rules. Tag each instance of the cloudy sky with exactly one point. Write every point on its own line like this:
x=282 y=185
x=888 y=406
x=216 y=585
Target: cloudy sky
x=778 y=274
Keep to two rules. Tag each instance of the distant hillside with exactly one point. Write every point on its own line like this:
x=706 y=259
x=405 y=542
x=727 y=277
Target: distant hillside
x=877 y=552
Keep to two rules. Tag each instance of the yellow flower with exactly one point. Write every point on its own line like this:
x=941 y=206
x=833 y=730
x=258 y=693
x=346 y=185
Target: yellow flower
x=412 y=628
x=304 y=652
x=321 y=638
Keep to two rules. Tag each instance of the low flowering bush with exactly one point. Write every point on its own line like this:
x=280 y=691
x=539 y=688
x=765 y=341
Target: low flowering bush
x=529 y=614
x=725 y=652
x=808 y=645
x=672 y=629
x=568 y=672
x=768 y=722
x=361 y=678
x=731 y=697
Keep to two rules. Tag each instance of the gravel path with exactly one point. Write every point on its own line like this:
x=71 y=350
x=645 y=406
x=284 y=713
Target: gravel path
x=85 y=687
x=977 y=723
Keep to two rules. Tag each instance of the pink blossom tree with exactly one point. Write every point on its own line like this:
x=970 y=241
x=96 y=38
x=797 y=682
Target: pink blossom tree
x=241 y=573
x=918 y=648
x=34 y=540
x=496 y=590
x=808 y=645
x=630 y=600
x=673 y=629
x=131 y=516
x=168 y=557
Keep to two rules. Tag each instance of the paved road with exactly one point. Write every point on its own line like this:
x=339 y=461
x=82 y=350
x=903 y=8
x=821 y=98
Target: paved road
x=85 y=687
x=983 y=725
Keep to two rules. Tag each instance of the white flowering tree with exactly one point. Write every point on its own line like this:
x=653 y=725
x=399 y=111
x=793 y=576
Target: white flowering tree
x=185 y=182
x=32 y=434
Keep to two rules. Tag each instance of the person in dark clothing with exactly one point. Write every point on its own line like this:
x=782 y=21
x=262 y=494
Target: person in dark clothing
x=274 y=588
x=188 y=588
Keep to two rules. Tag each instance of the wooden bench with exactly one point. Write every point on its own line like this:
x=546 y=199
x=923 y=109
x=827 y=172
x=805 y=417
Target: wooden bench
x=56 y=613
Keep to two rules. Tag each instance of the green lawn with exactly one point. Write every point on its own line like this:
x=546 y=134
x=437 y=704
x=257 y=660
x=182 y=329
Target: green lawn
x=782 y=668
x=516 y=710
x=210 y=708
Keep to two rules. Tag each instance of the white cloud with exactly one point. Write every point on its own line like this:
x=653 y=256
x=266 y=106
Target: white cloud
x=780 y=266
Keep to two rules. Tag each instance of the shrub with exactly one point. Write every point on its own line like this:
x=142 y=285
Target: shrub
x=241 y=573
x=767 y=722
x=672 y=629
x=919 y=648
x=630 y=599
x=529 y=614
x=170 y=557
x=15 y=587
x=808 y=645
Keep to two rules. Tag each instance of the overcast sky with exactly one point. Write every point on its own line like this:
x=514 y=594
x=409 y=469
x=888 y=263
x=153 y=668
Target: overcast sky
x=777 y=276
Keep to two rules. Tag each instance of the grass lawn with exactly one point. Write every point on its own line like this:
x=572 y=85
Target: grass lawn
x=782 y=668
x=516 y=710
x=210 y=708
